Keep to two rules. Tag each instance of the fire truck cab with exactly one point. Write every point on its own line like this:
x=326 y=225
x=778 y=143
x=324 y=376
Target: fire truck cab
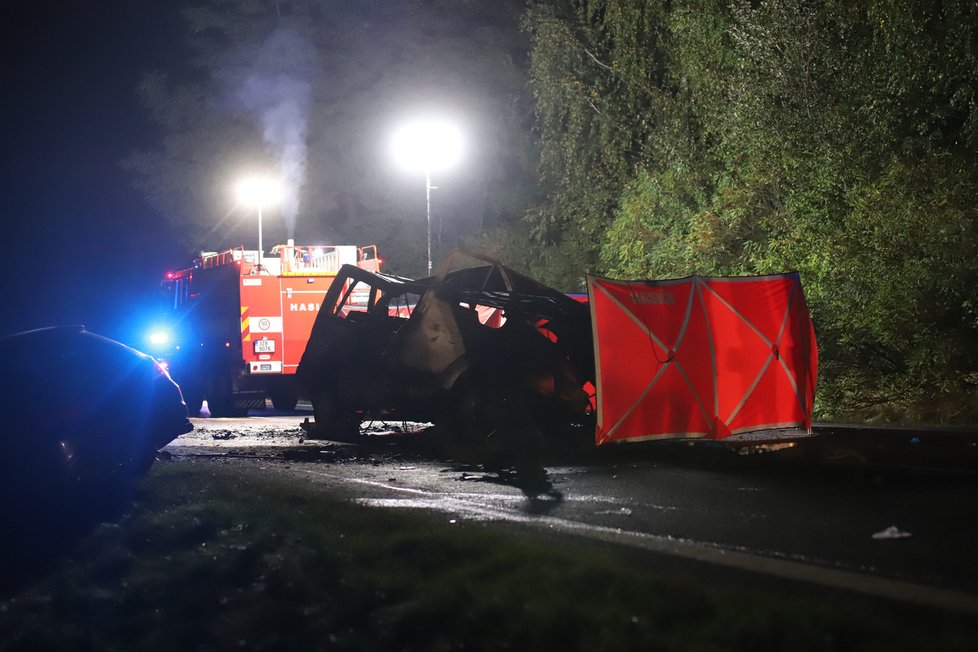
x=240 y=321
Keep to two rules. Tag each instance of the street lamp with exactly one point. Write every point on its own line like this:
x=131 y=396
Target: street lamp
x=259 y=192
x=427 y=144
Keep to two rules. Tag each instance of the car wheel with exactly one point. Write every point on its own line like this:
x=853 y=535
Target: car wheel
x=220 y=398
x=285 y=397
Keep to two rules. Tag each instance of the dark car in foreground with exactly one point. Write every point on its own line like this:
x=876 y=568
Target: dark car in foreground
x=82 y=413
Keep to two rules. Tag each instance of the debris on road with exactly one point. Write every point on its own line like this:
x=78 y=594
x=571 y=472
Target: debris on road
x=892 y=532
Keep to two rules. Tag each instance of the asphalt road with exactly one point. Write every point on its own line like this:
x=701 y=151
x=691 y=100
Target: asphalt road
x=908 y=537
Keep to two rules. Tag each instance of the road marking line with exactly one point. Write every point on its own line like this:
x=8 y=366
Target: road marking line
x=710 y=553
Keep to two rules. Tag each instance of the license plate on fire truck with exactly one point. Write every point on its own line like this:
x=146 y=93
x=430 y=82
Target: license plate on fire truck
x=264 y=346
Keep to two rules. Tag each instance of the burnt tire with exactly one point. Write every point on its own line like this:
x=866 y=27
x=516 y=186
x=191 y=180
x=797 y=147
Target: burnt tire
x=223 y=406
x=333 y=419
x=285 y=398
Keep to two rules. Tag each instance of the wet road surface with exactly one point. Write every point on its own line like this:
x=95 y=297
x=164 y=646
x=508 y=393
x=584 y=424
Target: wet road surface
x=909 y=537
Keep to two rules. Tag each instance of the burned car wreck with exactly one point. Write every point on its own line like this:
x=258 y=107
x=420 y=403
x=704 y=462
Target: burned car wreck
x=484 y=353
x=86 y=415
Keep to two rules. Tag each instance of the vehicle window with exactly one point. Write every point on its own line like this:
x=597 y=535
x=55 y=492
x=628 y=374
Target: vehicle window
x=488 y=316
x=402 y=305
x=358 y=297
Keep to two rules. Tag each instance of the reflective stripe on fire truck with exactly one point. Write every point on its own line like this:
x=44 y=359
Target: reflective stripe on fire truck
x=245 y=326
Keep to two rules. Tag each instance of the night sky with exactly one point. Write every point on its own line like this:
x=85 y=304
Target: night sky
x=82 y=244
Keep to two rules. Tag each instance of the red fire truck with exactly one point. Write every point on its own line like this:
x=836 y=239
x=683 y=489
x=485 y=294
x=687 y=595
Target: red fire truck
x=240 y=321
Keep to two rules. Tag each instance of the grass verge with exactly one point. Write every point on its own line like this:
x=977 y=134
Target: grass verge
x=213 y=557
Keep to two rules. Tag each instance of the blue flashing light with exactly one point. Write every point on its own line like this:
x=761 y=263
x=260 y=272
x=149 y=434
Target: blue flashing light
x=159 y=337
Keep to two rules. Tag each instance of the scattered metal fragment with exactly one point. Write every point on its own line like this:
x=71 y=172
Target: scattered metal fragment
x=892 y=532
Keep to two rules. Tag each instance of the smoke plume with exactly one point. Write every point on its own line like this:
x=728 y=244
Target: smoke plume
x=277 y=92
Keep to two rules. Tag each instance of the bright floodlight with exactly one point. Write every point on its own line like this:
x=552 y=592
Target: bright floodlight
x=258 y=191
x=427 y=145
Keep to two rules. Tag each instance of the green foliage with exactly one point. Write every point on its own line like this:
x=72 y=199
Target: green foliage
x=835 y=138
x=595 y=73
x=906 y=312
x=557 y=264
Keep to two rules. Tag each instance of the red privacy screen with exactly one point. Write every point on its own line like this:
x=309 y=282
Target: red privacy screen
x=701 y=357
